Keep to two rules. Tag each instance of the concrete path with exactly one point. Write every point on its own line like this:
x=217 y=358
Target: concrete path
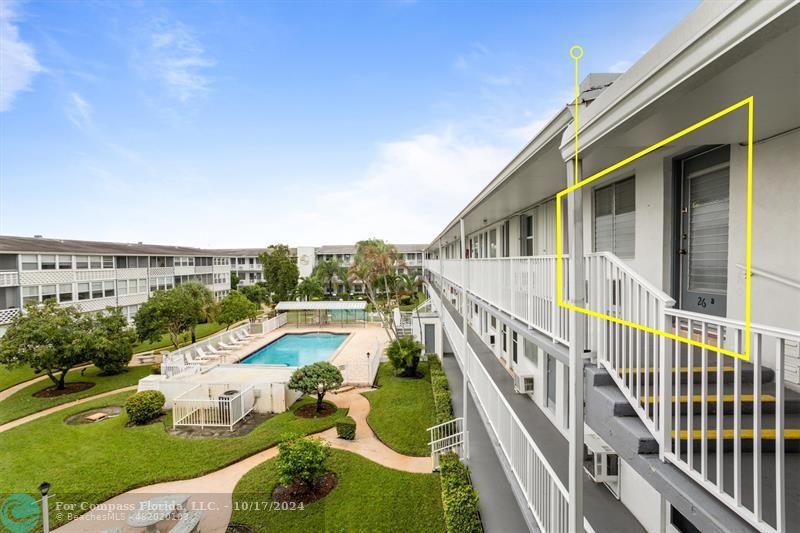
x=61 y=407
x=213 y=493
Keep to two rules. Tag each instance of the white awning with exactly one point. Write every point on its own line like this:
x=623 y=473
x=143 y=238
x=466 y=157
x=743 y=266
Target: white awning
x=323 y=305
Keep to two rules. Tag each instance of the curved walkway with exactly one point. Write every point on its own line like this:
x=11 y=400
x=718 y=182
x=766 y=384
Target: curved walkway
x=60 y=407
x=213 y=493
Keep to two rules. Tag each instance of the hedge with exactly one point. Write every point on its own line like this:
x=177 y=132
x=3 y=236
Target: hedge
x=459 y=498
x=443 y=408
x=144 y=406
x=346 y=428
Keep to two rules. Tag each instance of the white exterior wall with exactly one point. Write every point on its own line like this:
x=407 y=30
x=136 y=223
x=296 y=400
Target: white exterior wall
x=641 y=499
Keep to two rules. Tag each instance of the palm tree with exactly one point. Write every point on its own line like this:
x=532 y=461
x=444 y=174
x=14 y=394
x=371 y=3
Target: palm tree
x=374 y=265
x=330 y=273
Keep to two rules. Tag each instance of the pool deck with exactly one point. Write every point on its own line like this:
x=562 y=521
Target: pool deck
x=361 y=339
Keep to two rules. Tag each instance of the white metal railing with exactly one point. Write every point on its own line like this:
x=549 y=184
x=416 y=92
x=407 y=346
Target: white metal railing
x=545 y=495
x=651 y=369
x=9 y=279
x=445 y=438
x=198 y=407
x=704 y=442
x=771 y=275
x=7 y=315
x=363 y=372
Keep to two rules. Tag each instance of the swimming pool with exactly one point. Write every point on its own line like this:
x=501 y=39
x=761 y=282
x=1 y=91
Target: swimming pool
x=297 y=349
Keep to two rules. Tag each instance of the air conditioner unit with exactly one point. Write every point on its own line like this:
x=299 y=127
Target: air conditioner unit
x=523 y=384
x=601 y=462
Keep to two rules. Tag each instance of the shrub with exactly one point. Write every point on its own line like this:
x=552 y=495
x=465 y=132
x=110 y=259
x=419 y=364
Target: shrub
x=459 y=498
x=155 y=368
x=301 y=459
x=443 y=408
x=404 y=353
x=405 y=299
x=346 y=428
x=144 y=406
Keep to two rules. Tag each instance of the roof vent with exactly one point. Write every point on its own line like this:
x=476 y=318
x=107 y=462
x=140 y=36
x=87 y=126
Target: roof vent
x=37 y=236
x=139 y=243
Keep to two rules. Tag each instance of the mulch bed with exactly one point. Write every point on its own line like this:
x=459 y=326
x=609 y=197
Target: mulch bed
x=69 y=388
x=80 y=418
x=310 y=410
x=295 y=492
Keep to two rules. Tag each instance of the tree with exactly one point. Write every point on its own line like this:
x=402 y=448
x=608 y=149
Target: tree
x=404 y=353
x=234 y=281
x=256 y=294
x=111 y=341
x=375 y=262
x=302 y=460
x=280 y=272
x=172 y=312
x=204 y=307
x=309 y=288
x=48 y=338
x=317 y=378
x=235 y=307
x=330 y=273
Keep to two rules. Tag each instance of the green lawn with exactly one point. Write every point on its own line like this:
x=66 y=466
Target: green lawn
x=401 y=411
x=11 y=376
x=203 y=330
x=23 y=403
x=368 y=497
x=91 y=463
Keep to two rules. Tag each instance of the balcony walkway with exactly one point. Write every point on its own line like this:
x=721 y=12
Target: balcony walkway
x=603 y=512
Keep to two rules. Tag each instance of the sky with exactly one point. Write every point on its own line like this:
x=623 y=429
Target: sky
x=242 y=124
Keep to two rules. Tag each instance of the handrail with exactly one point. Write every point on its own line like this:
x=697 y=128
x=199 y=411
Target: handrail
x=658 y=293
x=770 y=275
x=731 y=323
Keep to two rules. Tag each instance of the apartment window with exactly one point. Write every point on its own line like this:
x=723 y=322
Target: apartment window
x=97 y=289
x=81 y=262
x=48 y=262
x=122 y=287
x=493 y=321
x=551 y=382
x=48 y=292
x=614 y=218
x=493 y=243
x=30 y=262
x=95 y=261
x=514 y=346
x=30 y=294
x=505 y=335
x=108 y=262
x=64 y=262
x=108 y=288
x=142 y=285
x=83 y=291
x=531 y=352
x=122 y=261
x=65 y=292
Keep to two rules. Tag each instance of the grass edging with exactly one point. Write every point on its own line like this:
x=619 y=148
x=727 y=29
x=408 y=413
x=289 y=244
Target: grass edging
x=459 y=497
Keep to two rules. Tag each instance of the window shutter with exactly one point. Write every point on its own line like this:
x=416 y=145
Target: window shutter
x=624 y=218
x=604 y=219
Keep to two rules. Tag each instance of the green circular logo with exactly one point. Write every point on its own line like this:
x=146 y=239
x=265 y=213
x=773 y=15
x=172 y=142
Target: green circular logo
x=19 y=513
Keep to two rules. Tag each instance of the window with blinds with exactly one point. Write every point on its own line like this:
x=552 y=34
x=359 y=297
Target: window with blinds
x=708 y=232
x=615 y=218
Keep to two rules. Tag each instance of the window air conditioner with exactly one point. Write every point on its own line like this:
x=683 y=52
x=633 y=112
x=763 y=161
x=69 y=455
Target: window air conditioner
x=523 y=384
x=601 y=462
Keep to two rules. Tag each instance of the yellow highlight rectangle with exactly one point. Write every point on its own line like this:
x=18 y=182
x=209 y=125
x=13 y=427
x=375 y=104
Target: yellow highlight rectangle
x=748 y=246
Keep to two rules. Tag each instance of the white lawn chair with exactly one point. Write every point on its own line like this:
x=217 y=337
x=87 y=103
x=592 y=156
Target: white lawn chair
x=215 y=351
x=233 y=344
x=201 y=353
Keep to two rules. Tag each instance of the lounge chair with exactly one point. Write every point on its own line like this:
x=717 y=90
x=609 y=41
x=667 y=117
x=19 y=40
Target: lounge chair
x=215 y=351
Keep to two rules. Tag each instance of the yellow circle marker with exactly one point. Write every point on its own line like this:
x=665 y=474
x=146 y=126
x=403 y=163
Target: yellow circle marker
x=576 y=51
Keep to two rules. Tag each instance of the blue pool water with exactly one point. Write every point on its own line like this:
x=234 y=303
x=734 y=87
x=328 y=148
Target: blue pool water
x=297 y=349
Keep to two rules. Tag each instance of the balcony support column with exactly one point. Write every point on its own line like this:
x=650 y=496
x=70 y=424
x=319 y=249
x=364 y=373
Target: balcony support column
x=465 y=345
x=577 y=342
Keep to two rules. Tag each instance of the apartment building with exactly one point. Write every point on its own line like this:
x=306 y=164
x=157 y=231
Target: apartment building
x=678 y=436
x=97 y=275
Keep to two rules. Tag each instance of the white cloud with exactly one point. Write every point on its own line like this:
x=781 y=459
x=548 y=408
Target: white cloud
x=412 y=187
x=178 y=60
x=18 y=64
x=620 y=66
x=79 y=111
